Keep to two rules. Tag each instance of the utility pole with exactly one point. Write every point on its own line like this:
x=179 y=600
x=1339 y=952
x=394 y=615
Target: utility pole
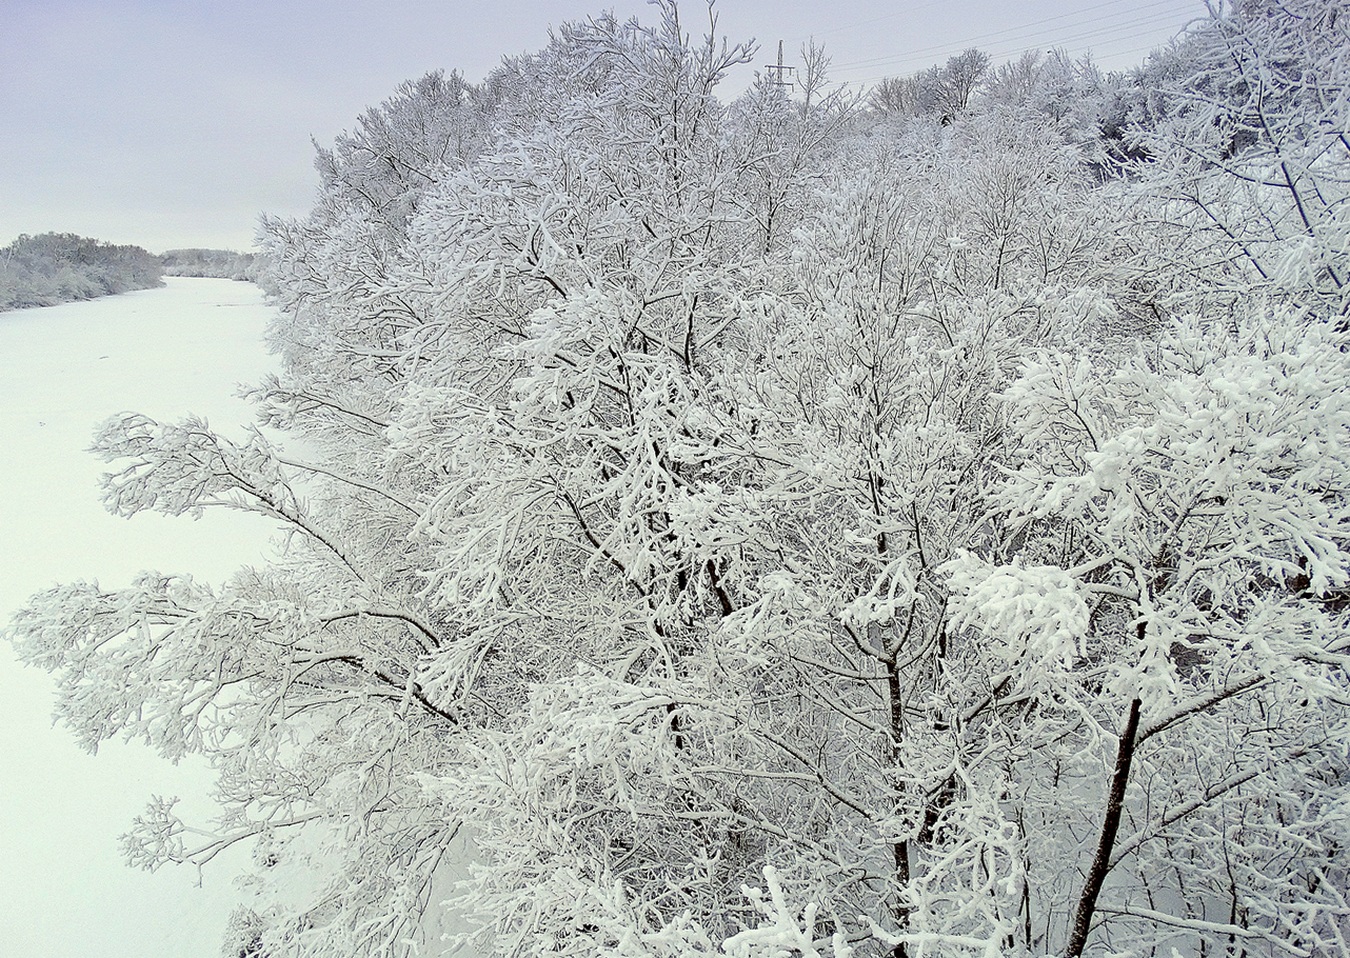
x=780 y=72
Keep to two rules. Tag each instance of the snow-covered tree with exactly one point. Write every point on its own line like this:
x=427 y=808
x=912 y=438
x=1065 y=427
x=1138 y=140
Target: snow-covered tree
x=748 y=529
x=57 y=268
x=944 y=92
x=1246 y=133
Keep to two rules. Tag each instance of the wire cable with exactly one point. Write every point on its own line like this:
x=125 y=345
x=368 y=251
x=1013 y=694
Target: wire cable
x=1022 y=34
x=1117 y=33
x=1006 y=33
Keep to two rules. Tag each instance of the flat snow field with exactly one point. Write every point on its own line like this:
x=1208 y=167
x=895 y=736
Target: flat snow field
x=64 y=890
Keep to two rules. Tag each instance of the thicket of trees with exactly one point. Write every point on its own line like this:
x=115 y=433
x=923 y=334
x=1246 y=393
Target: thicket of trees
x=213 y=263
x=774 y=527
x=56 y=268
x=944 y=92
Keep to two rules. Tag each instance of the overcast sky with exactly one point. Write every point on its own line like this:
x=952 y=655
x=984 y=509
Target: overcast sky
x=172 y=123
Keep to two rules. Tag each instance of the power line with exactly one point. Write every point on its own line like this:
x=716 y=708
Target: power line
x=1134 y=51
x=1024 y=32
x=875 y=20
x=1122 y=32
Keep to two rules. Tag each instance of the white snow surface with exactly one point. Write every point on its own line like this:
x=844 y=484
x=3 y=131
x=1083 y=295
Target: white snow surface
x=64 y=890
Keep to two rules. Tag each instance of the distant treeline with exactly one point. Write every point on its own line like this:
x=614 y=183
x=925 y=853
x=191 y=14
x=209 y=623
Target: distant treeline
x=61 y=267
x=218 y=263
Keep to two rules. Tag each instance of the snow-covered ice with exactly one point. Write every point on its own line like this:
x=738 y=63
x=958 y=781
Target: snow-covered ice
x=64 y=891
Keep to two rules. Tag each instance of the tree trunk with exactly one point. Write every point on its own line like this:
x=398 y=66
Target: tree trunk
x=1101 y=862
x=901 y=848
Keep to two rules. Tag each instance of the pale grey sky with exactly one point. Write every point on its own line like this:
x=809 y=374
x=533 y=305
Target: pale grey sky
x=176 y=122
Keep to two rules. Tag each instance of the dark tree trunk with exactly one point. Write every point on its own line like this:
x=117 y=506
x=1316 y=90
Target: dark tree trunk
x=901 y=848
x=1101 y=862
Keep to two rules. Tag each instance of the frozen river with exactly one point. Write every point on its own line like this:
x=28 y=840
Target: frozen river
x=64 y=891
